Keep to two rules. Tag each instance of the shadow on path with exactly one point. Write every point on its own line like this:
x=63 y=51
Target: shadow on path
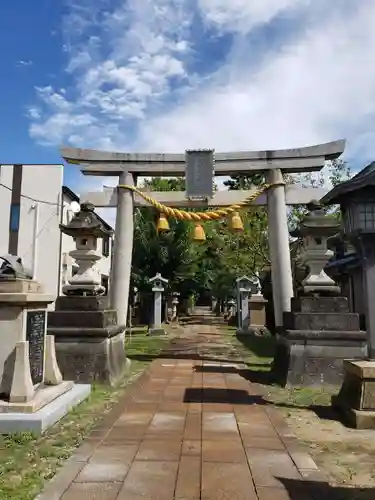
x=323 y=491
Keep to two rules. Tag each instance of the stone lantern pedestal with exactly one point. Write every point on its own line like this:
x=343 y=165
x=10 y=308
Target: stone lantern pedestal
x=90 y=344
x=319 y=332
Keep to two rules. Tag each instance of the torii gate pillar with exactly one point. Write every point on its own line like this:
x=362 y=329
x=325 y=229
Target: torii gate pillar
x=123 y=249
x=278 y=237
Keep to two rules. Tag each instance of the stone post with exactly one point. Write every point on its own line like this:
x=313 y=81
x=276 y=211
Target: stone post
x=282 y=282
x=175 y=302
x=158 y=283
x=243 y=293
x=123 y=250
x=231 y=309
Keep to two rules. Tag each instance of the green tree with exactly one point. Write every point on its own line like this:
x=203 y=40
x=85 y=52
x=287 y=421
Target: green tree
x=170 y=253
x=247 y=252
x=245 y=181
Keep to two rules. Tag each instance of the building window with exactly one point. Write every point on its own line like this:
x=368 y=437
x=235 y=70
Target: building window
x=15 y=211
x=106 y=245
x=367 y=216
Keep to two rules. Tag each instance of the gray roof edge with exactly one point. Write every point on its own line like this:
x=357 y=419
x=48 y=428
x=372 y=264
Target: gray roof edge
x=364 y=178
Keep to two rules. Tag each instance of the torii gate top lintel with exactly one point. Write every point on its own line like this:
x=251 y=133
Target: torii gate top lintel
x=102 y=163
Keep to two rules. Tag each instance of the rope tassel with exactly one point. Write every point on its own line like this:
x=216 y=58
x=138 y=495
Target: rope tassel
x=199 y=234
x=163 y=224
x=236 y=222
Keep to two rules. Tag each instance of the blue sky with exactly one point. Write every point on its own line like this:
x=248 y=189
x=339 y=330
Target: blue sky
x=168 y=75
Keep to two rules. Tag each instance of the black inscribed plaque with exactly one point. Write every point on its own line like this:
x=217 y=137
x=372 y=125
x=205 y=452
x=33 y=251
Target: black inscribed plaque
x=35 y=333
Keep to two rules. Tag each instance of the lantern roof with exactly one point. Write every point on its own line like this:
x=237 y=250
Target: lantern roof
x=85 y=223
x=158 y=277
x=245 y=279
x=317 y=222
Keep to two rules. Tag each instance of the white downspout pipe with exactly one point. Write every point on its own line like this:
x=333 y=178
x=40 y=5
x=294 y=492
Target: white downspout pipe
x=35 y=207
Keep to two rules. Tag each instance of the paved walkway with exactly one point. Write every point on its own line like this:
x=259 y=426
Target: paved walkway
x=190 y=430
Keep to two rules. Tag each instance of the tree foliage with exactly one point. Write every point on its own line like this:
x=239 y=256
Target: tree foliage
x=171 y=254
x=336 y=172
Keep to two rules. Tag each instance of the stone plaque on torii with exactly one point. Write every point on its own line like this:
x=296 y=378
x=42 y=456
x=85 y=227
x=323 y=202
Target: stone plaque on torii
x=200 y=174
x=129 y=166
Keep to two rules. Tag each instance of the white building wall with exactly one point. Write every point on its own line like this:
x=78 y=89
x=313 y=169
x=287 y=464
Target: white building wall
x=6 y=177
x=43 y=183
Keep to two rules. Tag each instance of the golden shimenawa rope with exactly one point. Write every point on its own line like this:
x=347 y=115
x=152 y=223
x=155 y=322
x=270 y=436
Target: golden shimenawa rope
x=198 y=216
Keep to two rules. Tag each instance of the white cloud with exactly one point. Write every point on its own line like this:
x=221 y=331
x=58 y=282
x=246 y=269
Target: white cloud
x=136 y=77
x=24 y=62
x=244 y=15
x=317 y=88
x=137 y=60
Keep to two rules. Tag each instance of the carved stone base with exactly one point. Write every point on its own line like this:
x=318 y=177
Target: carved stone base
x=318 y=335
x=87 y=358
x=315 y=358
x=356 y=399
x=90 y=345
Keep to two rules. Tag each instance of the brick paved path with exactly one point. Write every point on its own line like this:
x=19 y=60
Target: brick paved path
x=190 y=430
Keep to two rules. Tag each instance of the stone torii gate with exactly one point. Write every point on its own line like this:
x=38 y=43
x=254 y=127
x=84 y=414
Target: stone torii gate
x=128 y=166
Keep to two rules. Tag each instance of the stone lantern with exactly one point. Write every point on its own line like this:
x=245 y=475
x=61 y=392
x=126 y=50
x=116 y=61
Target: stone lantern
x=175 y=302
x=231 y=304
x=90 y=344
x=319 y=332
x=158 y=283
x=315 y=229
x=85 y=228
x=257 y=286
x=257 y=306
x=245 y=287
